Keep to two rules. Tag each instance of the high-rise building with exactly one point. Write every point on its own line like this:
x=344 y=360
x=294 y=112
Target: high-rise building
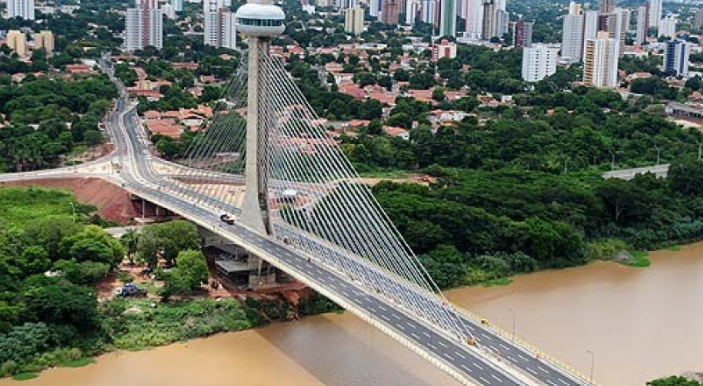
x=667 y=26
x=538 y=62
x=655 y=13
x=574 y=8
x=608 y=6
x=413 y=9
x=375 y=8
x=220 y=25
x=698 y=19
x=642 y=25
x=144 y=25
x=354 y=21
x=169 y=11
x=676 y=56
x=177 y=5
x=572 y=37
x=600 y=68
x=590 y=24
x=44 y=39
x=522 y=33
x=390 y=11
x=489 y=29
x=618 y=23
x=472 y=12
x=429 y=12
x=447 y=20
x=23 y=9
x=17 y=41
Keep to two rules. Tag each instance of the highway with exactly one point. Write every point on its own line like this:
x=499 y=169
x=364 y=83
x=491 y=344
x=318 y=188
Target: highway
x=495 y=361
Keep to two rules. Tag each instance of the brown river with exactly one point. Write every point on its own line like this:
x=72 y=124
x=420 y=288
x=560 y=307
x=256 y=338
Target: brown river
x=640 y=324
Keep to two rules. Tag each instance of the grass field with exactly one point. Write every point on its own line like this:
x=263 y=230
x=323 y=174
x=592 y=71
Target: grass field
x=21 y=205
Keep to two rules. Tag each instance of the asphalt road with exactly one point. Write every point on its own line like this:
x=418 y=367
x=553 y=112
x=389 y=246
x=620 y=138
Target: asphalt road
x=138 y=176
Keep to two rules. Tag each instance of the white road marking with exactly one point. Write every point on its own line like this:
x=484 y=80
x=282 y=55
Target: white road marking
x=562 y=381
x=511 y=358
x=459 y=354
x=466 y=368
x=504 y=346
x=542 y=369
x=478 y=366
x=551 y=382
x=426 y=334
x=522 y=357
x=414 y=335
x=441 y=343
x=401 y=327
x=485 y=380
x=494 y=377
x=530 y=370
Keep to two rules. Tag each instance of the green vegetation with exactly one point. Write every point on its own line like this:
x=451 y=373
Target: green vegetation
x=498 y=282
x=56 y=320
x=639 y=259
x=139 y=324
x=674 y=248
x=66 y=113
x=24 y=376
x=20 y=207
x=79 y=362
x=674 y=381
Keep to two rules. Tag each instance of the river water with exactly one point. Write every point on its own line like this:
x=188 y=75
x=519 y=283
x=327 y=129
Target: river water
x=640 y=324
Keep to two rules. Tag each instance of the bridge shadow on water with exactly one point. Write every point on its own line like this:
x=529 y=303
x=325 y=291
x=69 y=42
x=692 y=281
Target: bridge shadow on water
x=342 y=350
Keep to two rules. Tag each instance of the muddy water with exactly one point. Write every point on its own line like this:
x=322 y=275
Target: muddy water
x=639 y=323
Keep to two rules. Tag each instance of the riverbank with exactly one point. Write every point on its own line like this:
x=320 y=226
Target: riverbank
x=640 y=323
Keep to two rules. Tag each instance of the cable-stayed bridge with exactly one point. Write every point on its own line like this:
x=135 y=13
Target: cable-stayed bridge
x=265 y=161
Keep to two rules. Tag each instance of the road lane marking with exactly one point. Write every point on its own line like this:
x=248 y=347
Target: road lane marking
x=522 y=357
x=477 y=366
x=484 y=380
x=414 y=335
x=531 y=370
x=551 y=382
x=460 y=354
x=426 y=334
x=466 y=368
x=494 y=377
x=562 y=381
x=542 y=369
x=441 y=343
x=504 y=346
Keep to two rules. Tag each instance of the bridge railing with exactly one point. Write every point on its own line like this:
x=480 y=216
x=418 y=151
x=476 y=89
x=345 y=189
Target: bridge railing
x=531 y=349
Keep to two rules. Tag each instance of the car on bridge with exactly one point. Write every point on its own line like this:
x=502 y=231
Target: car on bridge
x=227 y=219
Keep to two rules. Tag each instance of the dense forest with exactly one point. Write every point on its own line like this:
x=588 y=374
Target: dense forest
x=45 y=118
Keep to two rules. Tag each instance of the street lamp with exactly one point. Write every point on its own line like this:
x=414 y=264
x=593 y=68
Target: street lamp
x=593 y=363
x=513 y=313
x=73 y=208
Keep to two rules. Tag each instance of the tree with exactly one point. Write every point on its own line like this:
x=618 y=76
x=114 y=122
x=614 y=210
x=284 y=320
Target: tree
x=62 y=303
x=192 y=267
x=166 y=241
x=130 y=240
x=445 y=266
x=686 y=177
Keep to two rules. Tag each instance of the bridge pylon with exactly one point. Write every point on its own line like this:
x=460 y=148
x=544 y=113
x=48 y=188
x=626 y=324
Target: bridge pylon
x=259 y=20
